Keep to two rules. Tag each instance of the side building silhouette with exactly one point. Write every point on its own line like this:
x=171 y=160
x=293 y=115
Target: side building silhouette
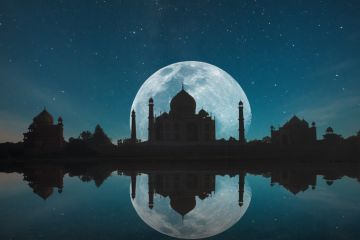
x=294 y=132
x=44 y=135
x=330 y=137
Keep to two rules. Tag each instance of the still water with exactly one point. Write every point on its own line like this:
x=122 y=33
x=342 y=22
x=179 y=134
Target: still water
x=103 y=202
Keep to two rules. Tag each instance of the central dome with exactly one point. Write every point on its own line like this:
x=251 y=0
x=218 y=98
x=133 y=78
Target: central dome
x=182 y=104
x=44 y=118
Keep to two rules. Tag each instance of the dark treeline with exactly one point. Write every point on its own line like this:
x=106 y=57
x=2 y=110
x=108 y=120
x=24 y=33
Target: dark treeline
x=98 y=145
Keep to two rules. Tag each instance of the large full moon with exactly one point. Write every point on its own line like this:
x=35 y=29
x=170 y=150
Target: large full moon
x=211 y=216
x=212 y=88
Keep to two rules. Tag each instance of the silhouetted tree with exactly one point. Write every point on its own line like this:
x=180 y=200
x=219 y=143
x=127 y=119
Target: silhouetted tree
x=266 y=139
x=79 y=146
x=255 y=142
x=86 y=136
x=90 y=143
x=100 y=138
x=232 y=139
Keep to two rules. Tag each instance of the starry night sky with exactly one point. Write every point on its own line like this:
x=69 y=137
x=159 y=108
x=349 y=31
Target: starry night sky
x=85 y=60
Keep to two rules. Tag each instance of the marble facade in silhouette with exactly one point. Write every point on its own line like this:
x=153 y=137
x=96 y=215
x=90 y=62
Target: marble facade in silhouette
x=182 y=123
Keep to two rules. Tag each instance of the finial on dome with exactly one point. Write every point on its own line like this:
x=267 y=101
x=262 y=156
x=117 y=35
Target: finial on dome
x=182 y=86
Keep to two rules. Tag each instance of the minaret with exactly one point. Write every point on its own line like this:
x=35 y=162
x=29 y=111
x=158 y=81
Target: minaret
x=151 y=120
x=61 y=130
x=241 y=188
x=60 y=121
x=313 y=129
x=133 y=127
x=133 y=185
x=241 y=124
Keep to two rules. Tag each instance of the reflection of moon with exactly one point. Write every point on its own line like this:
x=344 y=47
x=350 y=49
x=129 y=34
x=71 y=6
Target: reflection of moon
x=213 y=89
x=211 y=216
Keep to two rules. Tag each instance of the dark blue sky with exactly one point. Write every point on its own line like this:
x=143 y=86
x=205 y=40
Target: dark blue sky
x=85 y=60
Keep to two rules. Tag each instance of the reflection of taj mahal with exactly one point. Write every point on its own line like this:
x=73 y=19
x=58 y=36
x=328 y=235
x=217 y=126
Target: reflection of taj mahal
x=183 y=188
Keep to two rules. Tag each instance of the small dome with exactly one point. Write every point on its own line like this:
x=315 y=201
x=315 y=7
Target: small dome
x=183 y=104
x=164 y=114
x=44 y=118
x=203 y=113
x=241 y=104
x=151 y=100
x=329 y=130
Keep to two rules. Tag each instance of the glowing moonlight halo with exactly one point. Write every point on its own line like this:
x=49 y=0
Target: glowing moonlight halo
x=213 y=89
x=211 y=216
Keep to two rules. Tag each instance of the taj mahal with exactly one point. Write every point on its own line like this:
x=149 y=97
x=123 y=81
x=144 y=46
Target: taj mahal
x=182 y=123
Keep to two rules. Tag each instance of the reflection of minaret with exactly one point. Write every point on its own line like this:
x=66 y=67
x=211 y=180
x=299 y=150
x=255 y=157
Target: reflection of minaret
x=151 y=120
x=133 y=185
x=241 y=188
x=151 y=191
x=241 y=123
x=133 y=127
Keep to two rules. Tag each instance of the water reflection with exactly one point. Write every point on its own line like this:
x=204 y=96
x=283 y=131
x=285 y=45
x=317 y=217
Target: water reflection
x=190 y=205
x=182 y=200
x=44 y=179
